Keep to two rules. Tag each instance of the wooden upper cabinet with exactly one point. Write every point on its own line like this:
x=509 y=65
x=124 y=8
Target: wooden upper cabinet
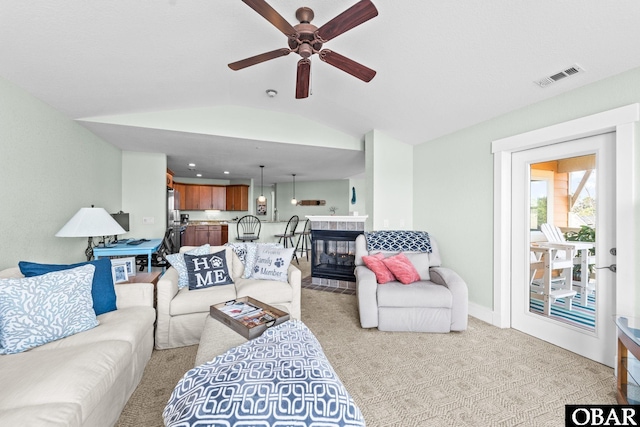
x=218 y=198
x=192 y=197
x=182 y=195
x=205 y=197
x=237 y=198
x=195 y=197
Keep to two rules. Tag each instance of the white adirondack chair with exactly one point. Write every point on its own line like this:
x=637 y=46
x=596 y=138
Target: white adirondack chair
x=544 y=257
x=583 y=286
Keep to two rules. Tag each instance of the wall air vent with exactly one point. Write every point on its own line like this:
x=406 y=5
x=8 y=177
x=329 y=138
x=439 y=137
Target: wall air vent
x=573 y=70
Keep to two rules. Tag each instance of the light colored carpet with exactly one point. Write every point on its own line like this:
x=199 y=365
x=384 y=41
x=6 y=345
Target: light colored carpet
x=484 y=376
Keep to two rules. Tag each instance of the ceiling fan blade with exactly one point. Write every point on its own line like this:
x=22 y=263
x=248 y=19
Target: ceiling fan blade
x=302 y=81
x=347 y=65
x=270 y=14
x=350 y=18
x=247 y=62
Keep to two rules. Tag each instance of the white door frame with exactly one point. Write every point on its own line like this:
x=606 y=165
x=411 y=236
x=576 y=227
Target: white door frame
x=621 y=120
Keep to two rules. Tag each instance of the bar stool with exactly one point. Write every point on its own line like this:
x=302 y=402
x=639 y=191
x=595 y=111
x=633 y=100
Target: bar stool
x=289 y=233
x=304 y=236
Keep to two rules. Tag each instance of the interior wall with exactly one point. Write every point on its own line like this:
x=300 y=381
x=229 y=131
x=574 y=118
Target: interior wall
x=50 y=168
x=459 y=170
x=389 y=181
x=144 y=194
x=333 y=192
x=360 y=186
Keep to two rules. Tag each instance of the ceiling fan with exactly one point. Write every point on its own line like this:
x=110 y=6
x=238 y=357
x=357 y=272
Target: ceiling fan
x=306 y=39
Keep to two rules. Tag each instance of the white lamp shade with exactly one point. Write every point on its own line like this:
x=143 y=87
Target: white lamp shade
x=89 y=222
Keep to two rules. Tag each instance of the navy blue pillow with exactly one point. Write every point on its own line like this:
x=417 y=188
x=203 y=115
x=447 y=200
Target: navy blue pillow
x=208 y=270
x=102 y=290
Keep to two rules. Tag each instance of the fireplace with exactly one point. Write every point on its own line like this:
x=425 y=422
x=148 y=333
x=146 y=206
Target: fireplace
x=333 y=250
x=333 y=254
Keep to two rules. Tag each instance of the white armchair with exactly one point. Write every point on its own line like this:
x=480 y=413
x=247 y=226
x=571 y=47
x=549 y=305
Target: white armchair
x=182 y=312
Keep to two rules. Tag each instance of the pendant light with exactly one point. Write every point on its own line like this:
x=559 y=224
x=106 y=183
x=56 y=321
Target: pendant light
x=262 y=199
x=294 y=201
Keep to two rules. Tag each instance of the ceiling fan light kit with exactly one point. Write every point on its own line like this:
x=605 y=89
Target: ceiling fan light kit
x=306 y=39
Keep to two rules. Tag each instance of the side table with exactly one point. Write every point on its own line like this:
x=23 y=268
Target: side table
x=628 y=365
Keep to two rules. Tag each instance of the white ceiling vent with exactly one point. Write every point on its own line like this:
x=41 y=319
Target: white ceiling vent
x=573 y=70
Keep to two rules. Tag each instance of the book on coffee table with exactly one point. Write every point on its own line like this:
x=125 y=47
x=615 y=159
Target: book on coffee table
x=248 y=316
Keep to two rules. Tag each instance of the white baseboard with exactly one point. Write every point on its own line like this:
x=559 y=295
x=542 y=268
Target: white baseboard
x=485 y=314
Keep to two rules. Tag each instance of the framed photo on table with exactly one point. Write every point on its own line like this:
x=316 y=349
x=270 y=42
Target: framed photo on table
x=129 y=263
x=119 y=273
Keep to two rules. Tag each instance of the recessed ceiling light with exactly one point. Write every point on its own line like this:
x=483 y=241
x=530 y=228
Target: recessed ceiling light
x=198 y=174
x=192 y=165
x=226 y=172
x=271 y=93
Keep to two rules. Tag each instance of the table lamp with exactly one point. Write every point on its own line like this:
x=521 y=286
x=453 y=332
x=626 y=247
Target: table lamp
x=90 y=222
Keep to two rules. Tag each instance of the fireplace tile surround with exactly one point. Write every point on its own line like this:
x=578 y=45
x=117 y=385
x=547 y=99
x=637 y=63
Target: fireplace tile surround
x=333 y=249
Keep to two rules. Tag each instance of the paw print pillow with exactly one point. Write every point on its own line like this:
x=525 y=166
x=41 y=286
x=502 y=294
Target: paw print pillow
x=272 y=263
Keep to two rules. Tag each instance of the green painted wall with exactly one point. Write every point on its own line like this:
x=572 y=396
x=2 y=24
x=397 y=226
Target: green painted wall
x=144 y=193
x=390 y=183
x=334 y=192
x=50 y=167
x=453 y=177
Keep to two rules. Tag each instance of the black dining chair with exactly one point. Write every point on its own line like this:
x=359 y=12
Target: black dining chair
x=286 y=238
x=304 y=238
x=248 y=228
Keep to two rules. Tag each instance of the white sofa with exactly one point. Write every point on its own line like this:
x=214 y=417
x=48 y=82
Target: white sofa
x=182 y=313
x=84 y=379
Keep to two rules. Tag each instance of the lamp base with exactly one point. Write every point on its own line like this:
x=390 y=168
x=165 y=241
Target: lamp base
x=89 y=251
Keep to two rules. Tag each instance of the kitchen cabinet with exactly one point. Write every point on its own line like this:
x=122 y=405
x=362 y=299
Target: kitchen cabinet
x=215 y=235
x=181 y=190
x=192 y=197
x=237 y=198
x=189 y=236
x=203 y=197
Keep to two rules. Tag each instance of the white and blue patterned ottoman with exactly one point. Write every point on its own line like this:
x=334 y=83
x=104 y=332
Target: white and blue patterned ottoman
x=281 y=378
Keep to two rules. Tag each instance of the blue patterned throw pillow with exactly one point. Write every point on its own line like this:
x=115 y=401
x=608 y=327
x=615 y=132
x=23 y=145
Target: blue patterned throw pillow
x=102 y=290
x=177 y=262
x=272 y=263
x=207 y=270
x=40 y=309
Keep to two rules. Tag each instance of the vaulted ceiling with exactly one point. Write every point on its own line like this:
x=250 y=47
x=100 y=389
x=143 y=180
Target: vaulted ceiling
x=441 y=66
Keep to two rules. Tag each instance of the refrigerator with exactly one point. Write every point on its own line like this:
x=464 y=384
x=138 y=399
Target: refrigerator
x=173 y=218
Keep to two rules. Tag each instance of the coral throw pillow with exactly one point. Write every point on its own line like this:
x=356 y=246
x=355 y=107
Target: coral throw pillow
x=402 y=268
x=375 y=264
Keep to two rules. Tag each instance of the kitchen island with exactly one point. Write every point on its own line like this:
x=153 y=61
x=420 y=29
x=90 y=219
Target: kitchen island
x=228 y=231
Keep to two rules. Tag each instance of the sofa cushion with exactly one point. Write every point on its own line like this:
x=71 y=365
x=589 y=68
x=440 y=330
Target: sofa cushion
x=416 y=294
x=272 y=263
x=80 y=375
x=102 y=290
x=37 y=310
x=375 y=264
x=207 y=270
x=402 y=268
x=124 y=324
x=188 y=302
x=177 y=262
x=267 y=291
